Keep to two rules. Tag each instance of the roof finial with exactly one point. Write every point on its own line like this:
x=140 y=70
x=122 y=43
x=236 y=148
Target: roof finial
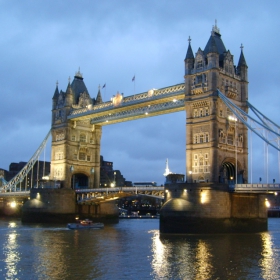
x=99 y=87
x=215 y=28
x=241 y=47
x=56 y=83
x=69 y=79
x=189 y=39
x=79 y=74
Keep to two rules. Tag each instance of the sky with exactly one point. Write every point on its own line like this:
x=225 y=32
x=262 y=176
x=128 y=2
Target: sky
x=43 y=42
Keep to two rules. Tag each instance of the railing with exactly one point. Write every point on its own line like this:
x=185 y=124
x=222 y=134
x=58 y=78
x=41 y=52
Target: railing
x=254 y=188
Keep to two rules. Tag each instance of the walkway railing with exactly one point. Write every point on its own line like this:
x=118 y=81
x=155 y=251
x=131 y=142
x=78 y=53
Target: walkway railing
x=261 y=188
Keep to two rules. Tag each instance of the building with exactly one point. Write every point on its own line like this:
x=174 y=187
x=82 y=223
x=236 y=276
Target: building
x=40 y=169
x=216 y=143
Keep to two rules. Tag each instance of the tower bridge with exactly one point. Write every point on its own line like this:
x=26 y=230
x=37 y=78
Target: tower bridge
x=215 y=99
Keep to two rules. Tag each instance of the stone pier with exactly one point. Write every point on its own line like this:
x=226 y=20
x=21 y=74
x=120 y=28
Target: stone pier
x=59 y=205
x=210 y=208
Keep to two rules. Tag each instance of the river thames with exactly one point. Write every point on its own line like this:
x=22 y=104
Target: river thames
x=134 y=249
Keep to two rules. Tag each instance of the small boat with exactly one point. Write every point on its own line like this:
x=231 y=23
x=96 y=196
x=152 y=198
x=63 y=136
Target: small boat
x=81 y=224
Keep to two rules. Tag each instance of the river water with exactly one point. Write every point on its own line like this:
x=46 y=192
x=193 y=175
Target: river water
x=134 y=249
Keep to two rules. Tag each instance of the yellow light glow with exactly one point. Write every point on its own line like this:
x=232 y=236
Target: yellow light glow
x=13 y=204
x=267 y=203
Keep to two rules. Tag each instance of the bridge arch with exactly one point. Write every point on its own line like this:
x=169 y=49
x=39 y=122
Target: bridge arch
x=80 y=181
x=228 y=171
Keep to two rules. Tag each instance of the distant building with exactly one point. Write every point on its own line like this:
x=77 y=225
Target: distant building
x=37 y=172
x=110 y=177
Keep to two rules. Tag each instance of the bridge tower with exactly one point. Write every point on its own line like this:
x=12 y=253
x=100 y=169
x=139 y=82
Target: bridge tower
x=216 y=143
x=75 y=157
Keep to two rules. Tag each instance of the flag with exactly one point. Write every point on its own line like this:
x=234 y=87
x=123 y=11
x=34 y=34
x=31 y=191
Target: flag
x=104 y=85
x=133 y=79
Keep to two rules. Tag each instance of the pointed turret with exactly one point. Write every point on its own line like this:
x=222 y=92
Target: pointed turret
x=69 y=97
x=56 y=92
x=189 y=60
x=242 y=66
x=78 y=86
x=55 y=96
x=215 y=44
x=98 y=97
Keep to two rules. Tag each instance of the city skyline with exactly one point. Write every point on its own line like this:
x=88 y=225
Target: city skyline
x=130 y=48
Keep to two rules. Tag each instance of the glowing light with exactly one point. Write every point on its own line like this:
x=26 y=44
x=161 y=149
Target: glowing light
x=146 y=113
x=203 y=197
x=13 y=204
x=174 y=100
x=166 y=191
x=267 y=203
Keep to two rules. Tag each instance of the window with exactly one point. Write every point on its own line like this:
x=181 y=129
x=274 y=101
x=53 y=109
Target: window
x=75 y=156
x=201 y=138
x=201 y=112
x=206 y=137
x=221 y=113
x=88 y=158
x=199 y=64
x=230 y=139
x=199 y=79
x=91 y=141
x=82 y=138
x=82 y=156
x=206 y=111
x=73 y=138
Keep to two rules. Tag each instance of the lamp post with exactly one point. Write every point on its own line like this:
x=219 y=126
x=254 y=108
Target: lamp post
x=232 y=118
x=115 y=179
x=190 y=172
x=73 y=177
x=92 y=173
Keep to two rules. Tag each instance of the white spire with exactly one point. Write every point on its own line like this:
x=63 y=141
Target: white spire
x=167 y=171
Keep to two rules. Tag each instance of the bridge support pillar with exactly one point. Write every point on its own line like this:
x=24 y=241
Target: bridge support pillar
x=210 y=208
x=50 y=205
x=105 y=211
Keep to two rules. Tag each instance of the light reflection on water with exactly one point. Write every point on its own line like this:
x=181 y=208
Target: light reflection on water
x=134 y=249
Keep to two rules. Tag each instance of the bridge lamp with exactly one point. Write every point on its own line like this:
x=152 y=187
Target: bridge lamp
x=72 y=170
x=267 y=203
x=234 y=119
x=13 y=204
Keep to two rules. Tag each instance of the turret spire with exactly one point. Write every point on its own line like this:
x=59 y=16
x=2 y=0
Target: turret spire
x=189 y=54
x=99 y=97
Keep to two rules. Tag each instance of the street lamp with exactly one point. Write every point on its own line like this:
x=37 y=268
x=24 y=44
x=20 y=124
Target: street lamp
x=92 y=172
x=232 y=118
x=73 y=177
x=115 y=178
x=190 y=172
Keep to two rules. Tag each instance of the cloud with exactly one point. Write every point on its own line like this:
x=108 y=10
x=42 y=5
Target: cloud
x=111 y=42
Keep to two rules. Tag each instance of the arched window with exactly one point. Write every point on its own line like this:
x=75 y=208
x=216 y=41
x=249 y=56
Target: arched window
x=201 y=138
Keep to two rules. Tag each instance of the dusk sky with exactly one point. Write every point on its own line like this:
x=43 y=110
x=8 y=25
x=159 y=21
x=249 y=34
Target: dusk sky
x=43 y=42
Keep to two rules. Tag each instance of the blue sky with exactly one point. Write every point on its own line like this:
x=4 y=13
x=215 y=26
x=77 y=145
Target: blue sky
x=43 y=42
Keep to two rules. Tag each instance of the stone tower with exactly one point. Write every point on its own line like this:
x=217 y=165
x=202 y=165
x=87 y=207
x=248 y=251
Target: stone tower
x=216 y=143
x=75 y=158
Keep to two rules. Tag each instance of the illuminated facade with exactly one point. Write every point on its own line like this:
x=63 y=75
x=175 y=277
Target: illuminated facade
x=75 y=157
x=214 y=138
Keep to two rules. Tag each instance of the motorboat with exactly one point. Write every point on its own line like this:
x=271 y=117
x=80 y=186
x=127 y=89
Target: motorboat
x=81 y=224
